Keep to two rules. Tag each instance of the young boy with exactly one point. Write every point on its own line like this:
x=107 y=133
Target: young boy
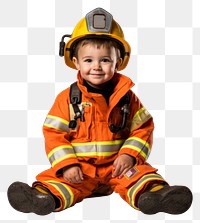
x=98 y=135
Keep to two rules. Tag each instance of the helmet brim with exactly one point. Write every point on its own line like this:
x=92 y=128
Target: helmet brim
x=125 y=48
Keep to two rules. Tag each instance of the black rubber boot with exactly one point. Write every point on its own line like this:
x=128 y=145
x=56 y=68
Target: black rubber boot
x=27 y=199
x=169 y=199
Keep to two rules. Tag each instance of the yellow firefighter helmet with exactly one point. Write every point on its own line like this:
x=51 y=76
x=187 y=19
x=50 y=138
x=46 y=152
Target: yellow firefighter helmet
x=96 y=24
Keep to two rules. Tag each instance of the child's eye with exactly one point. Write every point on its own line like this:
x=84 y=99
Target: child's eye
x=88 y=60
x=105 y=60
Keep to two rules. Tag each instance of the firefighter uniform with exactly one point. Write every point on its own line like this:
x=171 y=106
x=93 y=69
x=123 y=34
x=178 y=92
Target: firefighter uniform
x=94 y=143
x=94 y=147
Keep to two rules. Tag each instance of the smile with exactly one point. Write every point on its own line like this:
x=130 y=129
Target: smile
x=97 y=74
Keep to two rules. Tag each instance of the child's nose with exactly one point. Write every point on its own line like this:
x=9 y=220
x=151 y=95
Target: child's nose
x=97 y=65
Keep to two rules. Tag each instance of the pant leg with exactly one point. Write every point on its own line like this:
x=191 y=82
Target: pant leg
x=134 y=183
x=67 y=193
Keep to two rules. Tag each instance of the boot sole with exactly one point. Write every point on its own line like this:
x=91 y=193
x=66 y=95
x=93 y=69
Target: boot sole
x=175 y=200
x=22 y=198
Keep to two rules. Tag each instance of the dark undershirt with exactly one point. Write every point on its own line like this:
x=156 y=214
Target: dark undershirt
x=106 y=91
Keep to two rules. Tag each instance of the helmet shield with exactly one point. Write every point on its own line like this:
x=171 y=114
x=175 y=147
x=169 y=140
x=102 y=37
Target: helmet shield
x=99 y=20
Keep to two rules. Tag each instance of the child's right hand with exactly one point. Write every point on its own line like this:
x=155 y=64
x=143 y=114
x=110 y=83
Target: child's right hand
x=73 y=174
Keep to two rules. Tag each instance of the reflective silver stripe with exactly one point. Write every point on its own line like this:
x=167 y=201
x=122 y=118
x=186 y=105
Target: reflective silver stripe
x=139 y=145
x=65 y=191
x=140 y=118
x=97 y=148
x=60 y=153
x=56 y=123
x=134 y=189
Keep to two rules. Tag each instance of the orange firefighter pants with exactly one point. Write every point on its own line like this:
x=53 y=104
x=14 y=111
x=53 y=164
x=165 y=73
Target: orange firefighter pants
x=130 y=187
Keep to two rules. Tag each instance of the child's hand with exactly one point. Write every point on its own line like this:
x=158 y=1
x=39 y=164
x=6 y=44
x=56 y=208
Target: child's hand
x=122 y=164
x=73 y=174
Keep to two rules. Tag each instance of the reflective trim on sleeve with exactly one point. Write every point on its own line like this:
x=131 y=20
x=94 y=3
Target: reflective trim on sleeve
x=140 y=183
x=57 y=123
x=138 y=145
x=65 y=192
x=60 y=153
x=140 y=118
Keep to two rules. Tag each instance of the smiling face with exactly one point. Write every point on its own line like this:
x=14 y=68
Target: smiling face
x=97 y=64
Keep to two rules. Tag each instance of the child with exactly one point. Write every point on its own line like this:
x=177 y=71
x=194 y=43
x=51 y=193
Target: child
x=98 y=135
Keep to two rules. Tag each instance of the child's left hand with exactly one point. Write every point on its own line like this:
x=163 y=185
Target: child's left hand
x=122 y=164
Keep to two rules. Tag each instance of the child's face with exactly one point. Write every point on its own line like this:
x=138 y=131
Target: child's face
x=97 y=65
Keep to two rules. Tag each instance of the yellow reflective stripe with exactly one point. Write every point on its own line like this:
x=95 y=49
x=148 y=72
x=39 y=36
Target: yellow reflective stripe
x=140 y=118
x=60 y=153
x=138 y=145
x=114 y=142
x=138 y=150
x=64 y=190
x=58 y=118
x=62 y=158
x=96 y=154
x=59 y=148
x=56 y=123
x=134 y=189
x=105 y=148
x=140 y=142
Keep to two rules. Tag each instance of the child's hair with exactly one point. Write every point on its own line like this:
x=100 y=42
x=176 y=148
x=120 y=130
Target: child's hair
x=97 y=42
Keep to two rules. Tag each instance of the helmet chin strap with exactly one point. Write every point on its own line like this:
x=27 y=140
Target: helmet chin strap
x=62 y=44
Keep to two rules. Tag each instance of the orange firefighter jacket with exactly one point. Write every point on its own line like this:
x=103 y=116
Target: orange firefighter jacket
x=92 y=143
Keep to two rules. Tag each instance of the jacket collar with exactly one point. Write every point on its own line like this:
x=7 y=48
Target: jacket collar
x=122 y=84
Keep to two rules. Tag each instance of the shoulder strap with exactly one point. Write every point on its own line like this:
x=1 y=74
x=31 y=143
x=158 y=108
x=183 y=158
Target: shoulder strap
x=125 y=111
x=75 y=99
x=125 y=99
x=75 y=94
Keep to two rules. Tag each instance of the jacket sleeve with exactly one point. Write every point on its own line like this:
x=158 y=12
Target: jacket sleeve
x=56 y=133
x=139 y=142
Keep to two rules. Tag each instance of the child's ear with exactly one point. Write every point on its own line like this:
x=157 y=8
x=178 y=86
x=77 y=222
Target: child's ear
x=75 y=62
x=118 y=64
